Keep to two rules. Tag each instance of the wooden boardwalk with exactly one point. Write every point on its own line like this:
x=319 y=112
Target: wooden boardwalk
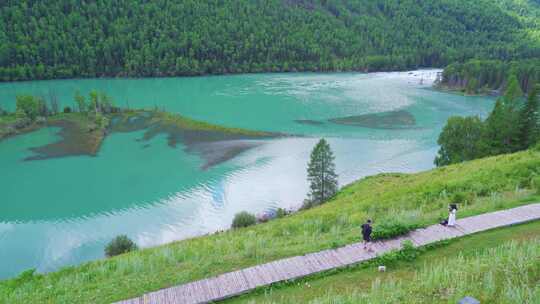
x=237 y=282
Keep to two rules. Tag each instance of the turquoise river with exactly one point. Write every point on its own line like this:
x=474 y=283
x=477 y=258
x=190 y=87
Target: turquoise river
x=62 y=211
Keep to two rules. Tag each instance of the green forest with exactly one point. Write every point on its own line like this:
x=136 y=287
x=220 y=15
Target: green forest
x=74 y=38
x=513 y=125
x=490 y=76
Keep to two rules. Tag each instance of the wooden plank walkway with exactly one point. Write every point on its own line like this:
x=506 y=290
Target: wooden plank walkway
x=237 y=282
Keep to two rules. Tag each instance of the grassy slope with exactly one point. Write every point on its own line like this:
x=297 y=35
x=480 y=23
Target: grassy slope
x=486 y=184
x=360 y=278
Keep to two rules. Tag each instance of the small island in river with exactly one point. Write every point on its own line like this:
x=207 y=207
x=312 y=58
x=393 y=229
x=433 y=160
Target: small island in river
x=385 y=120
x=399 y=119
x=309 y=122
x=82 y=132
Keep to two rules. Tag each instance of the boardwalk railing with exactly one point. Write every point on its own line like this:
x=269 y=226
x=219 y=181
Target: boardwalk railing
x=237 y=282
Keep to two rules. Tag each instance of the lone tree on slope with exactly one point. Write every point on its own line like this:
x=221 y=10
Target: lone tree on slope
x=321 y=174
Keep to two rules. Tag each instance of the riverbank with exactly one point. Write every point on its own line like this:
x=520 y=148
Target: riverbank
x=462 y=91
x=132 y=178
x=11 y=126
x=401 y=201
x=488 y=77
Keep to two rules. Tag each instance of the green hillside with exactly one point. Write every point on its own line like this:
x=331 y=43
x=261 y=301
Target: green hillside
x=400 y=201
x=497 y=267
x=74 y=38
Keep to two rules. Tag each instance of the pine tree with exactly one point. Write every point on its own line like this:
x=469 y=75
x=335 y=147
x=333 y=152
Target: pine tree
x=81 y=103
x=502 y=125
x=321 y=174
x=513 y=89
x=530 y=119
x=94 y=102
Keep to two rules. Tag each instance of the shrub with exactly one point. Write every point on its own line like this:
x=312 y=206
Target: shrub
x=390 y=229
x=306 y=204
x=67 y=110
x=118 y=245
x=281 y=212
x=536 y=183
x=22 y=122
x=28 y=104
x=407 y=253
x=459 y=198
x=244 y=219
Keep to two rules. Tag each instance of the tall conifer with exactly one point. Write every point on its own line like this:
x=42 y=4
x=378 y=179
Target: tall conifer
x=530 y=119
x=502 y=125
x=321 y=174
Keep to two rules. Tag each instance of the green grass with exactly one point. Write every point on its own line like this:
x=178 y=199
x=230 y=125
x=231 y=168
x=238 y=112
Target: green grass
x=345 y=285
x=7 y=119
x=164 y=117
x=5 y=122
x=73 y=116
x=414 y=199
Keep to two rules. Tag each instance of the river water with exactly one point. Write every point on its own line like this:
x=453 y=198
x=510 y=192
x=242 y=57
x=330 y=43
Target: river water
x=62 y=211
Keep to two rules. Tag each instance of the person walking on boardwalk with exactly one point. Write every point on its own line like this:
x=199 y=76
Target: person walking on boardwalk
x=452 y=216
x=366 y=235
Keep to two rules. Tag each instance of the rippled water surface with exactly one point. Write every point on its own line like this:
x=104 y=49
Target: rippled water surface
x=58 y=212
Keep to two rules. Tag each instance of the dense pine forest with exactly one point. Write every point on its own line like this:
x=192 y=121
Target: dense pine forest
x=75 y=38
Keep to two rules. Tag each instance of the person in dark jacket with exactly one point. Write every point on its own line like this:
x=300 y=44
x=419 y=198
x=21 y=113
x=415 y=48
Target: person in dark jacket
x=366 y=235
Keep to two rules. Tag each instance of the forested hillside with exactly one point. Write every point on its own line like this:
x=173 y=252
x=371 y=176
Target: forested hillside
x=75 y=38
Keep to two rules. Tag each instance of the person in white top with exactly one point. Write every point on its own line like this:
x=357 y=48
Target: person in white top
x=452 y=215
